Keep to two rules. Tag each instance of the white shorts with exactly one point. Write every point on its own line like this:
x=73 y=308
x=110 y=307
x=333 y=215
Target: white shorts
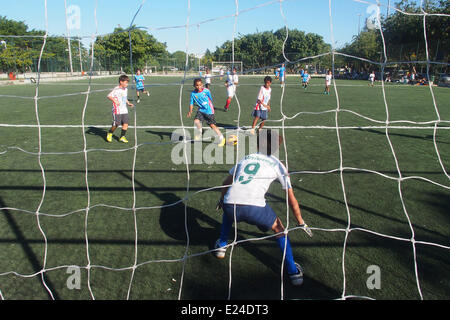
x=231 y=90
x=328 y=83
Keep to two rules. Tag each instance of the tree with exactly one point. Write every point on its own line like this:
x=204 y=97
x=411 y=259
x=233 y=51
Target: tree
x=114 y=49
x=17 y=55
x=22 y=53
x=404 y=34
x=404 y=37
x=265 y=49
x=367 y=45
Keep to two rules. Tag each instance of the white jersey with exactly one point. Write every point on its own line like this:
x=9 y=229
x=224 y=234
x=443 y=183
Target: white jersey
x=252 y=178
x=263 y=96
x=328 y=78
x=372 y=77
x=208 y=78
x=231 y=90
x=233 y=79
x=120 y=96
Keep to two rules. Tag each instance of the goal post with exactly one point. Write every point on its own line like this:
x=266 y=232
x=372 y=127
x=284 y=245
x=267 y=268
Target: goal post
x=217 y=66
x=151 y=70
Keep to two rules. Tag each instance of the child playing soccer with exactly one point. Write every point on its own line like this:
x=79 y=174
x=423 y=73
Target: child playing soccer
x=207 y=78
x=282 y=74
x=118 y=96
x=328 y=78
x=372 y=78
x=305 y=79
x=139 y=80
x=201 y=97
x=262 y=106
x=231 y=83
x=243 y=199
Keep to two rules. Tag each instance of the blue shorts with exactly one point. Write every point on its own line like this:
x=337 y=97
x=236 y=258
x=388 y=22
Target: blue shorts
x=262 y=217
x=262 y=114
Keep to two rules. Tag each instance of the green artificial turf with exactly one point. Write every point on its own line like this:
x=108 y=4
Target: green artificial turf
x=107 y=207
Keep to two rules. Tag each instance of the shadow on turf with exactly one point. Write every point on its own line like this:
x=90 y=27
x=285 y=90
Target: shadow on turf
x=175 y=217
x=383 y=133
x=257 y=284
x=101 y=133
x=161 y=134
x=98 y=132
x=343 y=222
x=29 y=252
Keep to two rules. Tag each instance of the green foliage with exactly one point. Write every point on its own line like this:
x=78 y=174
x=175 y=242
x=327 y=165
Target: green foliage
x=405 y=33
x=22 y=53
x=404 y=36
x=115 y=48
x=263 y=49
x=367 y=45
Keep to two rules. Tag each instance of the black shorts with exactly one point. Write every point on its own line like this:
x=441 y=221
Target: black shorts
x=209 y=118
x=120 y=119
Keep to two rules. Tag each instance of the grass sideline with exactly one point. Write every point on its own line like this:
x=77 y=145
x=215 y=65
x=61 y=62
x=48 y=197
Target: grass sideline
x=373 y=200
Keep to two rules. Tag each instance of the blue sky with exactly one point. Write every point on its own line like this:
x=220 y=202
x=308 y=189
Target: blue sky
x=158 y=16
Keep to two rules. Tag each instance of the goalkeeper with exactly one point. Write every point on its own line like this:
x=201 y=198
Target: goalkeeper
x=245 y=197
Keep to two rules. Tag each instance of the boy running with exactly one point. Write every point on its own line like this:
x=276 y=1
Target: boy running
x=207 y=78
x=328 y=78
x=118 y=96
x=231 y=83
x=262 y=106
x=201 y=97
x=305 y=79
x=372 y=78
x=139 y=80
x=282 y=74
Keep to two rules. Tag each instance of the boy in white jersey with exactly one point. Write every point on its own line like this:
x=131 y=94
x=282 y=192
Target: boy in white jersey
x=328 y=78
x=372 y=78
x=119 y=98
x=231 y=84
x=243 y=199
x=207 y=78
x=262 y=106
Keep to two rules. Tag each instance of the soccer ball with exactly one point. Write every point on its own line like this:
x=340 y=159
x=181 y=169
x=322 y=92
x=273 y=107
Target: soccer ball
x=232 y=140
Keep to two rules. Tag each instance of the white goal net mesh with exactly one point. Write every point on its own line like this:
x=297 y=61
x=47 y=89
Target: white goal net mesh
x=45 y=265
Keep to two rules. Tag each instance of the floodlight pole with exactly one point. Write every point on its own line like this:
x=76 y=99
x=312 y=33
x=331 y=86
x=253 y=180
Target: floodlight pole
x=359 y=23
x=81 y=62
x=68 y=40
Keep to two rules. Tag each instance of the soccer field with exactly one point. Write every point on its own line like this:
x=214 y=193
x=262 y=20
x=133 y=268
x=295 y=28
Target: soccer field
x=139 y=226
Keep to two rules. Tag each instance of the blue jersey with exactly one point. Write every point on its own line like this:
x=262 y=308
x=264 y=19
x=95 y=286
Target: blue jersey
x=305 y=77
x=203 y=100
x=282 y=70
x=139 y=79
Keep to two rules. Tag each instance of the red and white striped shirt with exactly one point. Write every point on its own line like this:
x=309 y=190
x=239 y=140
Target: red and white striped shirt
x=264 y=97
x=120 y=97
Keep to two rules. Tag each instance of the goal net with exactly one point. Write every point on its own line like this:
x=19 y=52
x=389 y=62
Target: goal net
x=81 y=218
